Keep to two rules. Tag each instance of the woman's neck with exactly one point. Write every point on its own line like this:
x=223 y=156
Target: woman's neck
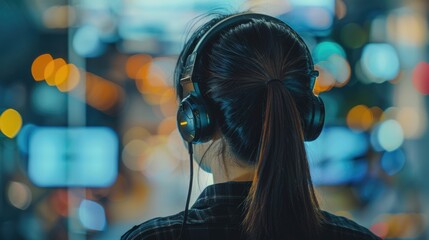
x=234 y=173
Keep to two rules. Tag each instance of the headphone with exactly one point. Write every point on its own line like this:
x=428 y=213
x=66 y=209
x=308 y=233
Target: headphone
x=194 y=120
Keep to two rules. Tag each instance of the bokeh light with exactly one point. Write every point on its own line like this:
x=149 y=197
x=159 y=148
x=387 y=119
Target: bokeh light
x=51 y=69
x=167 y=125
x=92 y=215
x=24 y=136
x=319 y=18
x=136 y=132
x=177 y=146
x=334 y=69
x=102 y=94
x=47 y=100
x=353 y=35
x=377 y=113
x=60 y=201
x=19 y=195
x=388 y=136
x=152 y=81
x=380 y=229
x=324 y=50
x=39 y=65
x=87 y=42
x=360 y=117
x=168 y=103
x=412 y=120
x=421 y=77
x=10 y=122
x=380 y=62
x=336 y=156
x=393 y=162
x=324 y=82
x=159 y=164
x=406 y=27
x=59 y=16
x=134 y=63
x=312 y=15
x=67 y=77
x=81 y=156
x=343 y=144
x=389 y=113
x=407 y=225
x=339 y=69
x=133 y=154
x=340 y=9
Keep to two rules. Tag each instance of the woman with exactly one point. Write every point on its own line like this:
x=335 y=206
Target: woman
x=245 y=83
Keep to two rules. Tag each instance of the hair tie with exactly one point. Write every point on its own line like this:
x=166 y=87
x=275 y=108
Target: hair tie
x=273 y=80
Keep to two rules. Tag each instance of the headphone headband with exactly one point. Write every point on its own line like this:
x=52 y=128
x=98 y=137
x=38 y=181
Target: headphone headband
x=190 y=82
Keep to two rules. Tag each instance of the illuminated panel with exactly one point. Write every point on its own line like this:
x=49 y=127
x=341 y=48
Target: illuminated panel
x=73 y=157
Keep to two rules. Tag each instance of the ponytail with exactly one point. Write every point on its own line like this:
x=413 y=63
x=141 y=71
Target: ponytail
x=281 y=202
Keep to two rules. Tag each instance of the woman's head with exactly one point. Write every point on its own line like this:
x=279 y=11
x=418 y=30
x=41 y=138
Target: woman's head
x=264 y=123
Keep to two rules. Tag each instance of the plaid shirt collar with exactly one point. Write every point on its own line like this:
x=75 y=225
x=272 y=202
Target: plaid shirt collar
x=218 y=213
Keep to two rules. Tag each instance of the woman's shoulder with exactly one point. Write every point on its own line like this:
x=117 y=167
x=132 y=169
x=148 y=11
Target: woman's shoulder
x=337 y=227
x=156 y=228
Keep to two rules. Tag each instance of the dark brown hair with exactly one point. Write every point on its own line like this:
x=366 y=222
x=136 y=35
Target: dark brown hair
x=263 y=123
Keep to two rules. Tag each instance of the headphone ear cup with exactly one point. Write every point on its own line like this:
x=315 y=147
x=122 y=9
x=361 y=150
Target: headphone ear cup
x=193 y=120
x=315 y=119
x=185 y=121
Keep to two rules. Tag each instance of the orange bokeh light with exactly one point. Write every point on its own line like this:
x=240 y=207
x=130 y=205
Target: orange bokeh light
x=360 y=117
x=67 y=77
x=377 y=113
x=380 y=229
x=168 y=103
x=134 y=63
x=324 y=82
x=167 y=126
x=39 y=65
x=51 y=69
x=151 y=82
x=101 y=93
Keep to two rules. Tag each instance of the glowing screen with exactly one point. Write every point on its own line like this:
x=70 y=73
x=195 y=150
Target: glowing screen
x=84 y=157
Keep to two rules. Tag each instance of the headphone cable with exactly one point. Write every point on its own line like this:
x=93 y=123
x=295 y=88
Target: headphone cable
x=191 y=173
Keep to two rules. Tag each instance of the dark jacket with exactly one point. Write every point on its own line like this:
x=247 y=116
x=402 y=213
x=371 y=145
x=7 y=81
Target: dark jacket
x=218 y=213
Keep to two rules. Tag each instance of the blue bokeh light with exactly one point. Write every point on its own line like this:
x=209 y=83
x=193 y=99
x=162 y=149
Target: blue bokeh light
x=92 y=215
x=314 y=16
x=324 y=50
x=73 y=157
x=24 y=136
x=87 y=42
x=393 y=162
x=336 y=156
x=47 y=100
x=380 y=62
x=387 y=136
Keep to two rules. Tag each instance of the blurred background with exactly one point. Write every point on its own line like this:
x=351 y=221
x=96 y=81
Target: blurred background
x=88 y=139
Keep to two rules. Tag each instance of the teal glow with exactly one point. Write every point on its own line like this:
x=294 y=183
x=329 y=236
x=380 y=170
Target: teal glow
x=380 y=62
x=324 y=50
x=84 y=157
